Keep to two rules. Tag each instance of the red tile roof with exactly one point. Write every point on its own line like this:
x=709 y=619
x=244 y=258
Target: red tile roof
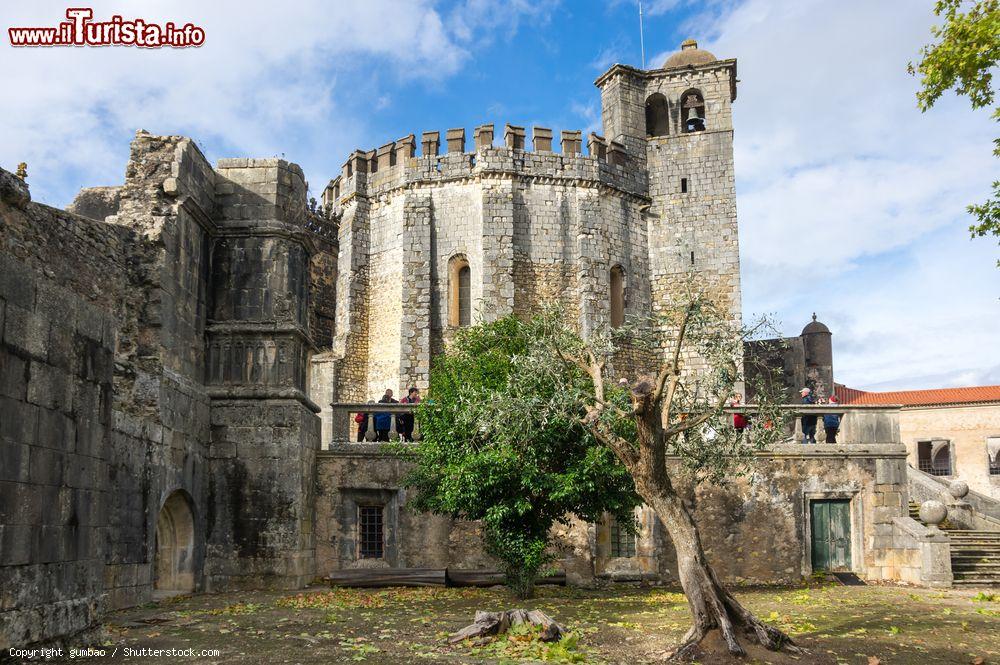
x=935 y=397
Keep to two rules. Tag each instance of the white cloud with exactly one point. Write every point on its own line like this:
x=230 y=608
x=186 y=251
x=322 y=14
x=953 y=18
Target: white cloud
x=267 y=80
x=852 y=202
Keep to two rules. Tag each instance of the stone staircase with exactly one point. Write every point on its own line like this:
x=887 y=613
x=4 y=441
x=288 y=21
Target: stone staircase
x=975 y=555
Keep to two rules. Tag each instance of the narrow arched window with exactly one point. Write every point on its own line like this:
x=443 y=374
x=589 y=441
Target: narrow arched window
x=693 y=111
x=617 y=296
x=657 y=117
x=459 y=292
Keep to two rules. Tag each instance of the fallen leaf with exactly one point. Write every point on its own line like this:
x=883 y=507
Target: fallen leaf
x=873 y=660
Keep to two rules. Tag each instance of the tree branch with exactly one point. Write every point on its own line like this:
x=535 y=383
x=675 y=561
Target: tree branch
x=619 y=446
x=674 y=366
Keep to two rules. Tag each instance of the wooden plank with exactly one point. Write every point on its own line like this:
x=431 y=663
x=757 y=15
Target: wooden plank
x=385 y=577
x=458 y=577
x=482 y=578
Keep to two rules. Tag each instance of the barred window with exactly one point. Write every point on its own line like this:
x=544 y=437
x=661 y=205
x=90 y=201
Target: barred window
x=935 y=457
x=622 y=540
x=371 y=541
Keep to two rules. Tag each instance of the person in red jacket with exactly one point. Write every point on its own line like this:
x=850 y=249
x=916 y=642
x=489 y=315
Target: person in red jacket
x=740 y=421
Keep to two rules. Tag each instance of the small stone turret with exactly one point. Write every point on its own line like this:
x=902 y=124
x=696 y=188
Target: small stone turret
x=817 y=345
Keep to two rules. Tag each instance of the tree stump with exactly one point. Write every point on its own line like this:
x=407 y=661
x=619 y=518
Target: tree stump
x=489 y=624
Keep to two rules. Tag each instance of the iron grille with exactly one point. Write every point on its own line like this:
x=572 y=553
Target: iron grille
x=928 y=467
x=622 y=540
x=370 y=532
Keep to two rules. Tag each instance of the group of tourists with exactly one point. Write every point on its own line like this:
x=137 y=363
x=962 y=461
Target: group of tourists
x=831 y=421
x=382 y=420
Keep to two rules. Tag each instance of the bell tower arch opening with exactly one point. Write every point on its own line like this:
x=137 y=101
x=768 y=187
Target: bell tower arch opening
x=693 y=111
x=657 y=115
x=174 y=567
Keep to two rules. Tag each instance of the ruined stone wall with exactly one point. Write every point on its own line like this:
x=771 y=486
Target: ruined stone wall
x=113 y=403
x=161 y=420
x=61 y=280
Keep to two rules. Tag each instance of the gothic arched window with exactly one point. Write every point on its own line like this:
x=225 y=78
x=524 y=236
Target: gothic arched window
x=459 y=291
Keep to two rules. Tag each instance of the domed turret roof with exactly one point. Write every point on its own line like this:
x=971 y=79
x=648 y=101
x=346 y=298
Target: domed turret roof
x=689 y=54
x=815 y=326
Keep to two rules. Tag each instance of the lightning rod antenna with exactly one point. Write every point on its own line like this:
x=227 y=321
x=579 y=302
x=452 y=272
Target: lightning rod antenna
x=642 y=42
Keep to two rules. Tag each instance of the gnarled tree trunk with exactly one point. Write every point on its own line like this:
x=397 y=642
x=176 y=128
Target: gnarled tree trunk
x=712 y=606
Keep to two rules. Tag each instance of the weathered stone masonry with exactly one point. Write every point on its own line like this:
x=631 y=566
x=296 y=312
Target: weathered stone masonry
x=155 y=430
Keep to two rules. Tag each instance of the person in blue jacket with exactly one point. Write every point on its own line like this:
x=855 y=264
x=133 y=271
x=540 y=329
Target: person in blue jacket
x=383 y=421
x=831 y=423
x=808 y=419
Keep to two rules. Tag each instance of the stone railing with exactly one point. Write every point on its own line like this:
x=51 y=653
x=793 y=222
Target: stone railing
x=345 y=430
x=858 y=424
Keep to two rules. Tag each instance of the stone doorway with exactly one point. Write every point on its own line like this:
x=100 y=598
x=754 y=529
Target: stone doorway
x=174 y=568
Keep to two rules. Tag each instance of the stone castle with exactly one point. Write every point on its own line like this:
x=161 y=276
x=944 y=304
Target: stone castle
x=180 y=356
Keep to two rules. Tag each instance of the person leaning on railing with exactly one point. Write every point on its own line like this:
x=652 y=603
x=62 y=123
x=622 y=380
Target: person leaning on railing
x=383 y=420
x=831 y=422
x=808 y=419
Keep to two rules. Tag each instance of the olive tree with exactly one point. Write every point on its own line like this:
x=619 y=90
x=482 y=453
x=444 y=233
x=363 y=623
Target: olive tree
x=670 y=427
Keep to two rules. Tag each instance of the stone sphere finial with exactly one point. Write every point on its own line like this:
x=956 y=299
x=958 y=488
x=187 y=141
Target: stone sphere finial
x=959 y=489
x=933 y=512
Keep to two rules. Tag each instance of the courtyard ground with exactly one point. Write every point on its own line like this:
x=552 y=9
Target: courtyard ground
x=837 y=624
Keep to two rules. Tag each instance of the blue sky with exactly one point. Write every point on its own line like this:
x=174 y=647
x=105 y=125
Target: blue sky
x=851 y=202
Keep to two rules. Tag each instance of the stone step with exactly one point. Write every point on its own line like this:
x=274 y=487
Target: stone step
x=985 y=564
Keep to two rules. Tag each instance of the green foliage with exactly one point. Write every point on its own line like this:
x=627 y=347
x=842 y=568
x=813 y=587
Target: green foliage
x=498 y=445
x=963 y=60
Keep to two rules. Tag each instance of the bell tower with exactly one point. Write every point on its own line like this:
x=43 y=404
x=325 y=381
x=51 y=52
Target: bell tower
x=676 y=123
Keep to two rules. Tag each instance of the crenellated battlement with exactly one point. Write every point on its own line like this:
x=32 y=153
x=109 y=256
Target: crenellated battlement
x=397 y=164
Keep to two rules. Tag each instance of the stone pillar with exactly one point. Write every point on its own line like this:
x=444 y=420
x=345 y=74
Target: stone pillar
x=498 y=250
x=264 y=428
x=591 y=273
x=415 y=328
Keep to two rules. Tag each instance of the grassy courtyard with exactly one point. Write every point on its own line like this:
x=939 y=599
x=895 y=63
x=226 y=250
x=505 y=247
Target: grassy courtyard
x=837 y=624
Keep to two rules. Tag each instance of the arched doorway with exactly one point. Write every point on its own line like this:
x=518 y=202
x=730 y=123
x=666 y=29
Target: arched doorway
x=174 y=566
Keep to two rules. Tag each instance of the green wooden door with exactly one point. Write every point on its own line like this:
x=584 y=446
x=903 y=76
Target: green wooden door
x=831 y=534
